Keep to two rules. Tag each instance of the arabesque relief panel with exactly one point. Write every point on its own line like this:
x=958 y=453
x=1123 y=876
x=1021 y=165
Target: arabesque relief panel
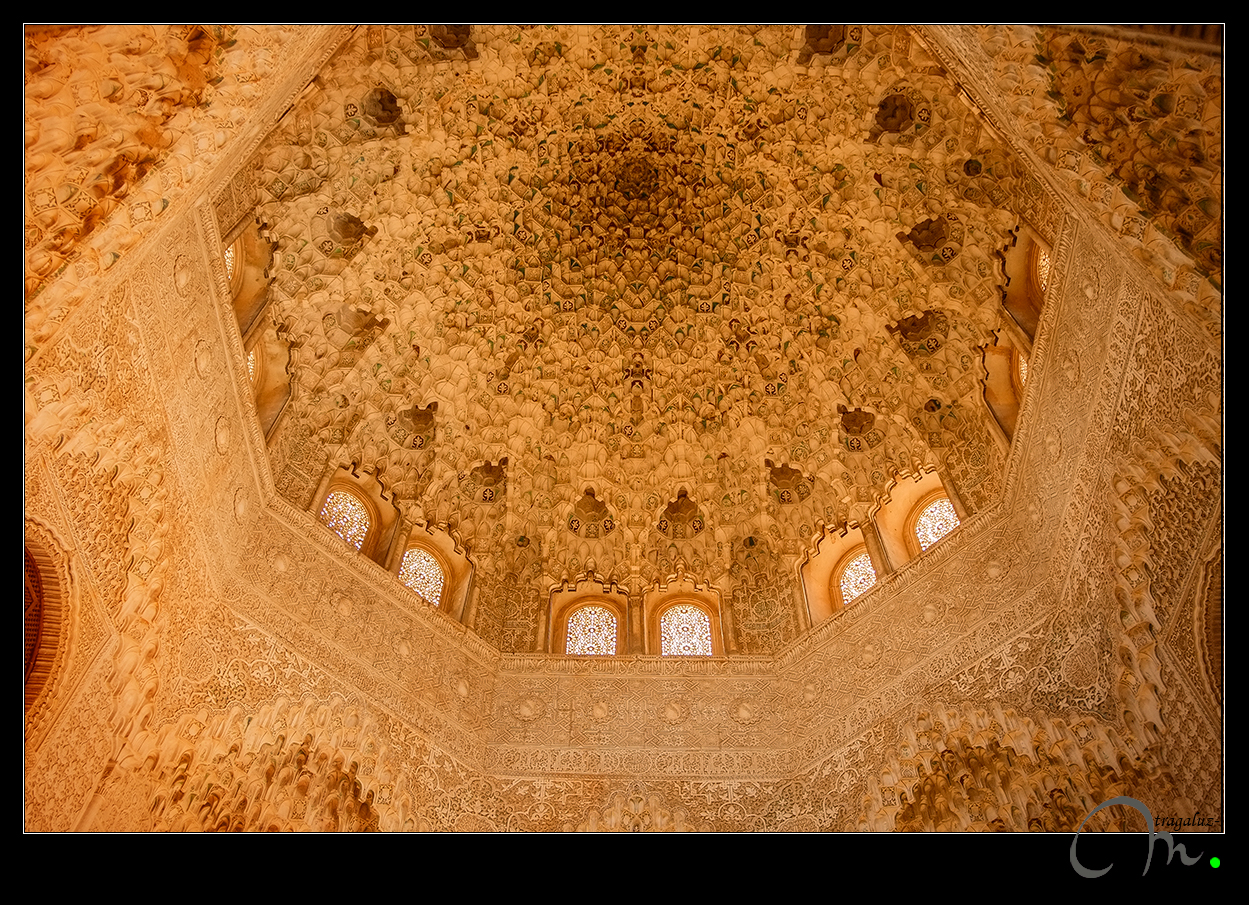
x=236 y=666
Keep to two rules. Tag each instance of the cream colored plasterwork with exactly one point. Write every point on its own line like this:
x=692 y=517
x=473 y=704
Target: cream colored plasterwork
x=237 y=668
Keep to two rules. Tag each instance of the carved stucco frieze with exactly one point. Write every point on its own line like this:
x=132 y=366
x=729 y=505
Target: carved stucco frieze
x=253 y=673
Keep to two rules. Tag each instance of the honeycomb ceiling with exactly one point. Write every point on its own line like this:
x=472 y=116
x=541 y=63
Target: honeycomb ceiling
x=636 y=295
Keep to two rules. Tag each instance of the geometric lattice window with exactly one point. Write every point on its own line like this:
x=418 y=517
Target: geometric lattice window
x=857 y=577
x=1043 y=269
x=592 y=631
x=685 y=631
x=935 y=522
x=420 y=571
x=347 y=517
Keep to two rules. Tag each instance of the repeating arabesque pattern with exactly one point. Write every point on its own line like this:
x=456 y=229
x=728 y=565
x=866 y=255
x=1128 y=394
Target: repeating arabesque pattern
x=592 y=631
x=287 y=688
x=1154 y=177
x=163 y=103
x=455 y=256
x=1192 y=739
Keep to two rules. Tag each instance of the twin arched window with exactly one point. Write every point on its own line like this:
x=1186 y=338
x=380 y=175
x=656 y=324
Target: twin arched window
x=684 y=629
x=931 y=518
x=356 y=521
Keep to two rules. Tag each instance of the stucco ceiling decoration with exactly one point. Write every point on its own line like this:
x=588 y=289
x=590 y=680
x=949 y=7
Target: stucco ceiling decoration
x=639 y=262
x=211 y=657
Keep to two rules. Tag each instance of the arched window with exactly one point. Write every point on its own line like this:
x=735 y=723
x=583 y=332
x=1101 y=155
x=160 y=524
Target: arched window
x=856 y=577
x=589 y=619
x=33 y=612
x=231 y=257
x=248 y=263
x=422 y=572
x=592 y=631
x=47 y=616
x=235 y=257
x=1005 y=370
x=935 y=521
x=1041 y=264
x=685 y=631
x=1028 y=270
x=347 y=516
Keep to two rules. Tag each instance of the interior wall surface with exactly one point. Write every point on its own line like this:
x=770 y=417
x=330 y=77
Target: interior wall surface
x=230 y=668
